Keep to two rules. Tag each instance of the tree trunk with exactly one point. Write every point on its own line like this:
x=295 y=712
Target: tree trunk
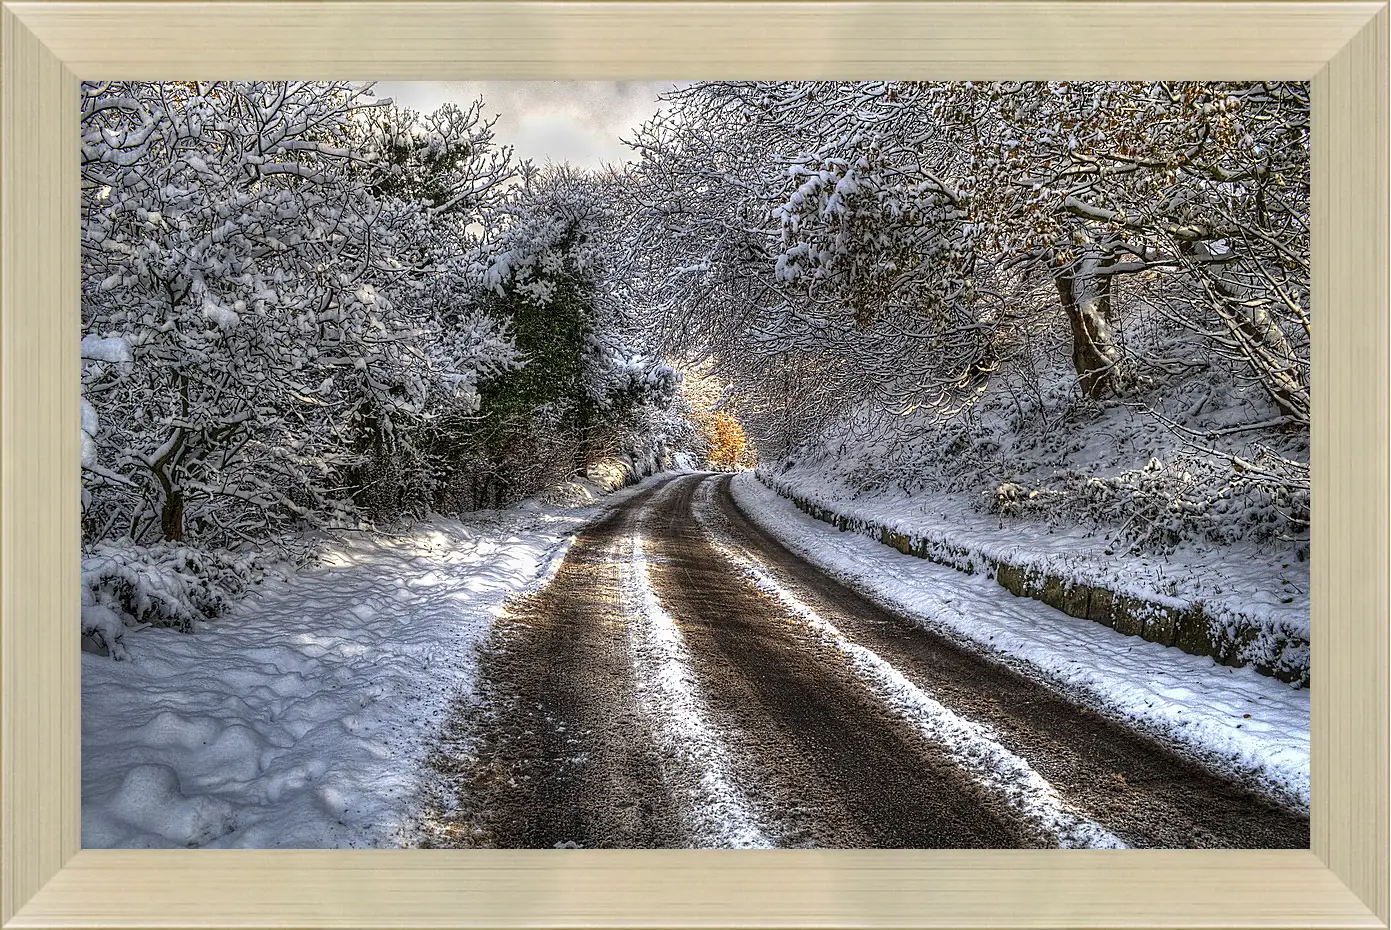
x=1086 y=298
x=1272 y=358
x=171 y=515
x=164 y=467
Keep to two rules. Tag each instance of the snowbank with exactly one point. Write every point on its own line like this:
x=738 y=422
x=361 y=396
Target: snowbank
x=300 y=717
x=1229 y=602
x=1238 y=722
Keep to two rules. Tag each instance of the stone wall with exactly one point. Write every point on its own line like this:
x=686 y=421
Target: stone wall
x=1229 y=640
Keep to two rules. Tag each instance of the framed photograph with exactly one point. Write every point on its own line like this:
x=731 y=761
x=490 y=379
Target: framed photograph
x=381 y=306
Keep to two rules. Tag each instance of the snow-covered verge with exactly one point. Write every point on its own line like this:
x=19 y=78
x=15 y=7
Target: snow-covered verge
x=300 y=716
x=1245 y=608
x=613 y=472
x=1234 y=720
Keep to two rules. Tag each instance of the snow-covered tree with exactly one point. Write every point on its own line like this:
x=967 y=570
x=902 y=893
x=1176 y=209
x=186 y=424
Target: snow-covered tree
x=1206 y=184
x=897 y=242
x=277 y=307
x=583 y=384
x=776 y=237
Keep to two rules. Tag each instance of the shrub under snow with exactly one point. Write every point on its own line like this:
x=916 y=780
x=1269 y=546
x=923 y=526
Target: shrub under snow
x=1159 y=506
x=165 y=584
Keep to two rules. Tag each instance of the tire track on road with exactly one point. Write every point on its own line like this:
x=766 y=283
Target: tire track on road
x=1141 y=790
x=694 y=754
x=827 y=761
x=566 y=755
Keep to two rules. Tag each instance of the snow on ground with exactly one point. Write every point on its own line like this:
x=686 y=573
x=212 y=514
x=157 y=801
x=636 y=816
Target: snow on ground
x=1238 y=583
x=300 y=718
x=1233 y=551
x=1235 y=720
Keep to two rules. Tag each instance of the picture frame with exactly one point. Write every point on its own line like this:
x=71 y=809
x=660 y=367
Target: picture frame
x=48 y=880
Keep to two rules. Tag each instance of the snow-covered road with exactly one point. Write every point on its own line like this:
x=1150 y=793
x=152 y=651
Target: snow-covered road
x=688 y=678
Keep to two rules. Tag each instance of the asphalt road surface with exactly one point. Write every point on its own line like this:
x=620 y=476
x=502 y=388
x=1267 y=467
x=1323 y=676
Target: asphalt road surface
x=686 y=681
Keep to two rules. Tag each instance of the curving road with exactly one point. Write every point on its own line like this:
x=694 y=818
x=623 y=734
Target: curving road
x=685 y=680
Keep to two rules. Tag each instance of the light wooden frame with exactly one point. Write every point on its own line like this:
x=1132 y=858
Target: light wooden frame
x=48 y=46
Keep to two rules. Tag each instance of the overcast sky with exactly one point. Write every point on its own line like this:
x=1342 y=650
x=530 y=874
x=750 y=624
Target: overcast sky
x=576 y=121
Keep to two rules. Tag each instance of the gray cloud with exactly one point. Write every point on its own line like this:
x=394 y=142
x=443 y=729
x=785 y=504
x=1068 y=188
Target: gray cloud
x=581 y=122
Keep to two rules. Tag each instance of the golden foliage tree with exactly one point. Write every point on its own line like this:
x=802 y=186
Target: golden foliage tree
x=703 y=400
x=729 y=447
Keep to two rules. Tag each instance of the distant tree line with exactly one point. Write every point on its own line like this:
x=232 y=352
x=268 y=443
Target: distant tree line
x=303 y=305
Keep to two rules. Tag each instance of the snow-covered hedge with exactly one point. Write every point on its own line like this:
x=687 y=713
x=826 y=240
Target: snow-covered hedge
x=169 y=585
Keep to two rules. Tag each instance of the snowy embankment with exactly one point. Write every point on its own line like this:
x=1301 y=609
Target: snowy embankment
x=1235 y=720
x=300 y=718
x=1249 y=606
